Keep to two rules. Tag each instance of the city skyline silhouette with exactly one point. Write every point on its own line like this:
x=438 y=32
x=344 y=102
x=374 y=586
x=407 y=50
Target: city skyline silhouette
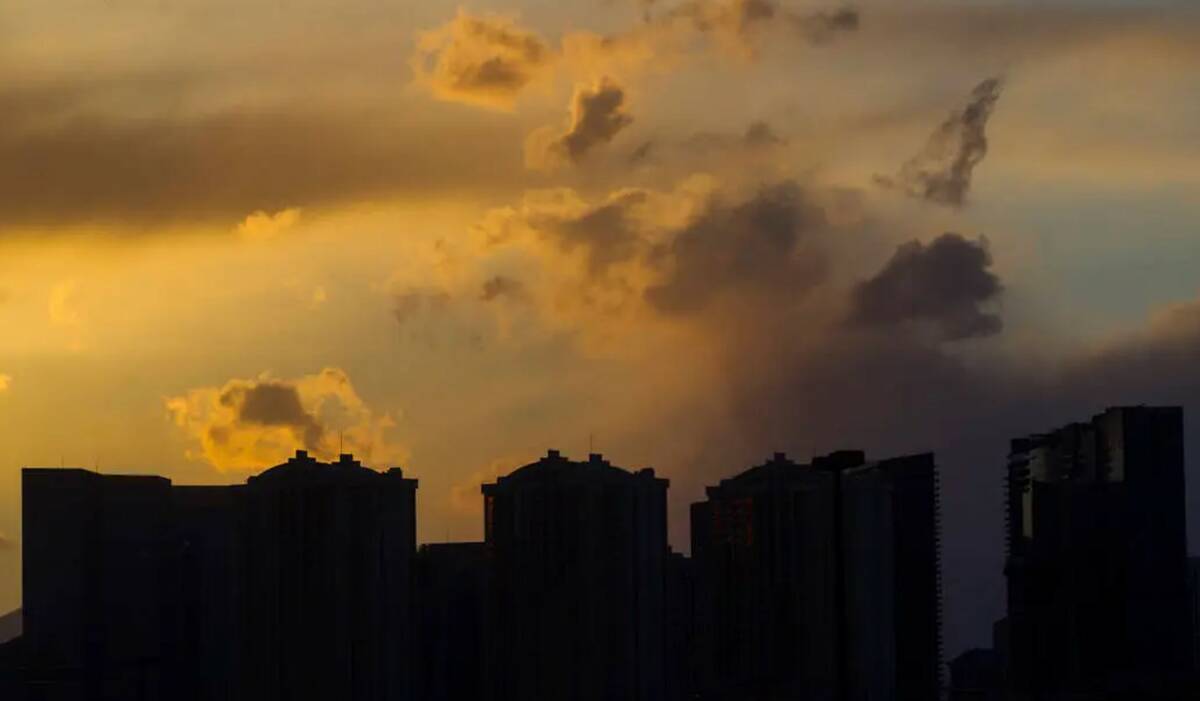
x=803 y=581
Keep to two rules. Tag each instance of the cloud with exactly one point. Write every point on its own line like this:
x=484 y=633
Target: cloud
x=480 y=60
x=751 y=250
x=261 y=226
x=823 y=26
x=136 y=172
x=608 y=233
x=7 y=543
x=489 y=61
x=598 y=114
x=583 y=263
x=944 y=283
x=270 y=403
x=63 y=305
x=5 y=382
x=758 y=135
x=409 y=305
x=500 y=287
x=318 y=297
x=602 y=234
x=247 y=425
x=465 y=495
x=941 y=171
x=736 y=25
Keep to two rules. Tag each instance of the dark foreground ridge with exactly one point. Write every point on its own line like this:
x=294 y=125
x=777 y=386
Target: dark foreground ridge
x=817 y=581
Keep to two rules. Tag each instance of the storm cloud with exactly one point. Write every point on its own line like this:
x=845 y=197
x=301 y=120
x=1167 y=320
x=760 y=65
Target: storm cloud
x=945 y=283
x=750 y=249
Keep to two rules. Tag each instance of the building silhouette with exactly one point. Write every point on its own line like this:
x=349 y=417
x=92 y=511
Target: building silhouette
x=977 y=675
x=577 y=555
x=819 y=581
x=1097 y=559
x=814 y=582
x=328 y=581
x=295 y=585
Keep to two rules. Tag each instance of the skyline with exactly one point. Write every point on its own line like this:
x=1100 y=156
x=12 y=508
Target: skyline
x=448 y=237
x=819 y=578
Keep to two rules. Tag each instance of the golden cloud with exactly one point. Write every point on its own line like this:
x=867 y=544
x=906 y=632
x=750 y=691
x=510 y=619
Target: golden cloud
x=261 y=225
x=598 y=114
x=246 y=425
x=490 y=60
x=63 y=305
x=5 y=382
x=465 y=496
x=481 y=60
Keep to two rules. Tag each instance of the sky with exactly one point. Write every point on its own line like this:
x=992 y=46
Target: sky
x=684 y=233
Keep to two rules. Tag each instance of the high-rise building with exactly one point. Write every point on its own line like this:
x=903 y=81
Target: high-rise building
x=892 y=543
x=99 y=577
x=294 y=585
x=577 y=557
x=819 y=581
x=328 y=551
x=1097 y=556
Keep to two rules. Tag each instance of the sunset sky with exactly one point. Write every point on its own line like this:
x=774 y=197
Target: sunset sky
x=688 y=233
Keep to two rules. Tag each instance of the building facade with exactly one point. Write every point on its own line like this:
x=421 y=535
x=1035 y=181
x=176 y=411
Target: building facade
x=1096 y=559
x=577 y=555
x=819 y=581
x=294 y=585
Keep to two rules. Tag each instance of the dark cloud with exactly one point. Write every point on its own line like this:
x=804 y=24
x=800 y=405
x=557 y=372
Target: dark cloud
x=760 y=134
x=64 y=162
x=757 y=135
x=941 y=171
x=945 y=283
x=736 y=22
x=598 y=114
x=642 y=152
x=502 y=287
x=823 y=26
x=751 y=250
x=609 y=232
x=412 y=303
x=273 y=403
